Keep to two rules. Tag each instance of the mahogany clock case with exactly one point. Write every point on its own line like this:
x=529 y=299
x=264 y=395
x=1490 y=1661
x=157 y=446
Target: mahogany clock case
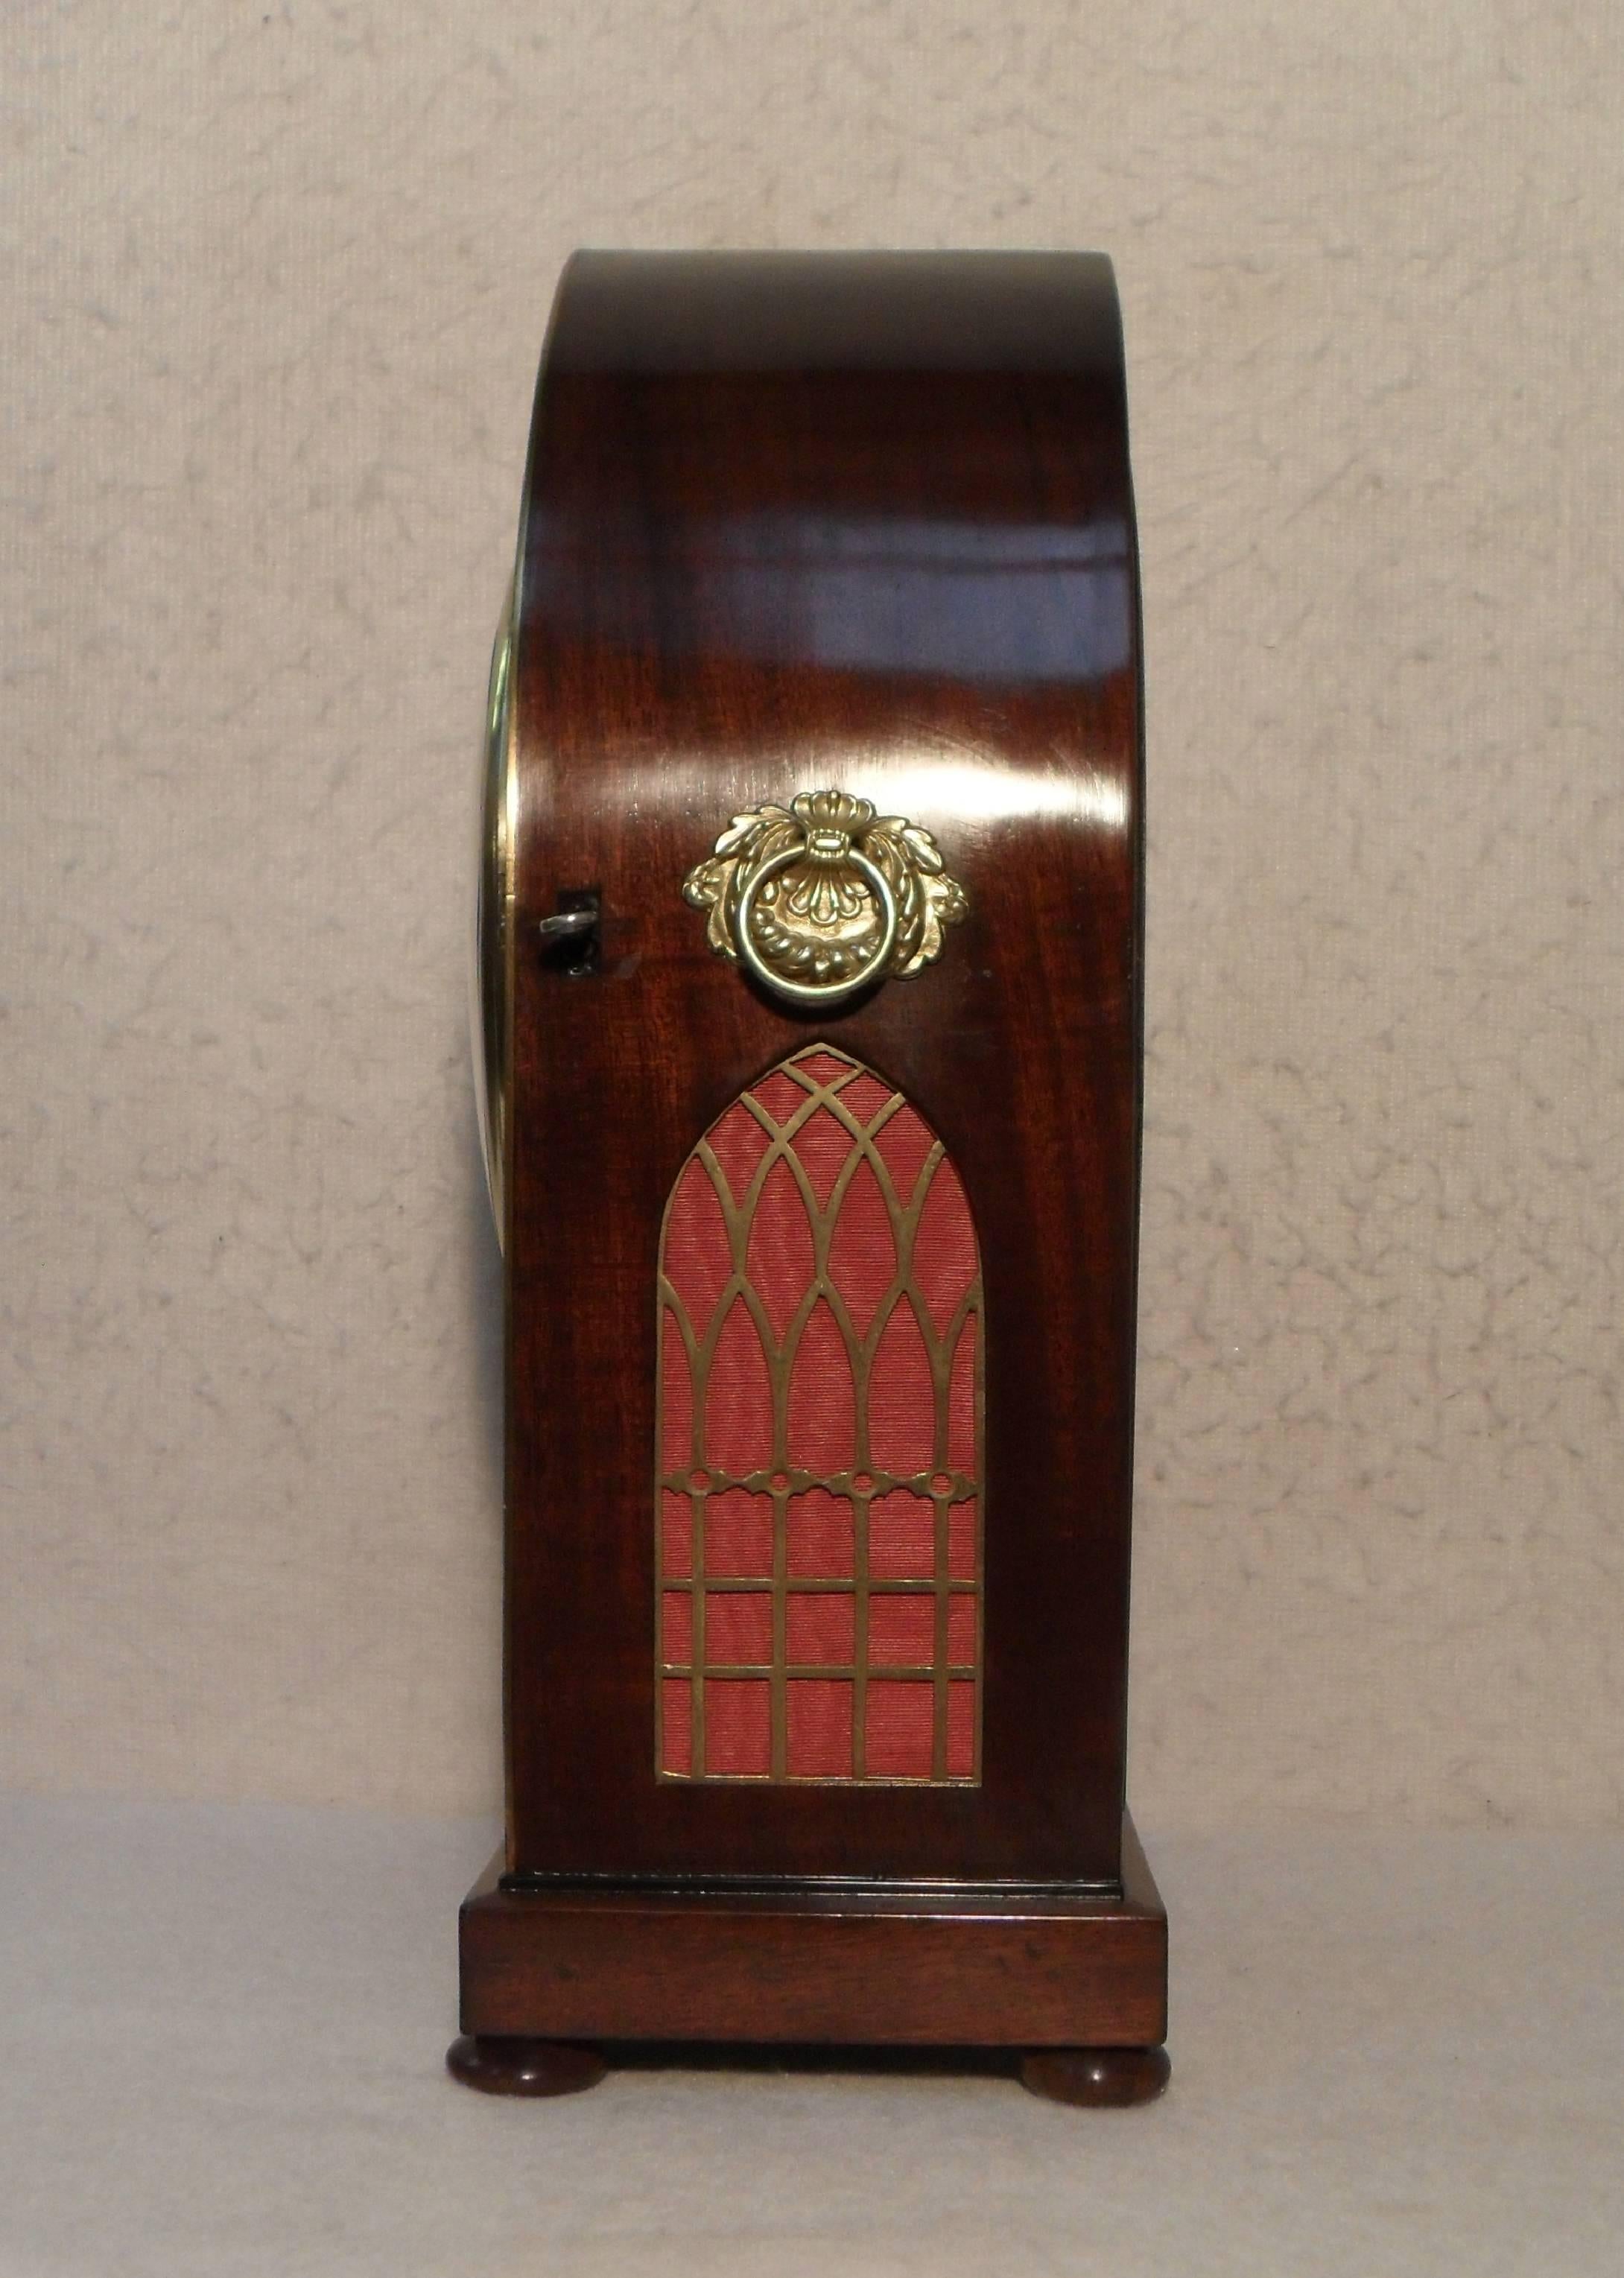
x=794 y=523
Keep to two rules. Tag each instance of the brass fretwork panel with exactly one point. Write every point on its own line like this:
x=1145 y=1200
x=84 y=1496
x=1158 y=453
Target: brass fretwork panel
x=820 y=1430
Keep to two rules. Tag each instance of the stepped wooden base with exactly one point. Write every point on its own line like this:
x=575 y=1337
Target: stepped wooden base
x=1079 y=1984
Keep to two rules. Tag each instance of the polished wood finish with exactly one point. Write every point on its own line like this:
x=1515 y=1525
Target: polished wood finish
x=798 y=522
x=795 y=521
x=1096 y=2077
x=1013 y=1970
x=515 y=2065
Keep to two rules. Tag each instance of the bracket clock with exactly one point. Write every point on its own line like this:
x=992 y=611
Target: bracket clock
x=810 y=1016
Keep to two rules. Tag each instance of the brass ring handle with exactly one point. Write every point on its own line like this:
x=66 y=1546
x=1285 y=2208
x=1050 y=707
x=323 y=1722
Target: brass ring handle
x=871 y=964
x=821 y=898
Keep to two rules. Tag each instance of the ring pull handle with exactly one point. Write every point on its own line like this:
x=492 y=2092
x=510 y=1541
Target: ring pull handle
x=821 y=899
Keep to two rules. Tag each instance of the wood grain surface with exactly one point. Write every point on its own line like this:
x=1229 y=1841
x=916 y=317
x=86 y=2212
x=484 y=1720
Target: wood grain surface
x=1080 y=1973
x=796 y=521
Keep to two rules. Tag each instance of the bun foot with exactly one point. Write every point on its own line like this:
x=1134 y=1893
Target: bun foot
x=504 y=2065
x=1095 y=2076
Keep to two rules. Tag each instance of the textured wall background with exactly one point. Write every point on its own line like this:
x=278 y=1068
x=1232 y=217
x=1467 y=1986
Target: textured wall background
x=275 y=282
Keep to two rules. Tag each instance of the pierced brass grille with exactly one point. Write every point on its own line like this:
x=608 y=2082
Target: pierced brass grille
x=820 y=1427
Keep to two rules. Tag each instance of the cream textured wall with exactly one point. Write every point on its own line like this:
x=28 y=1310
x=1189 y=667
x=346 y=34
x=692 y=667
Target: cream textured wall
x=275 y=282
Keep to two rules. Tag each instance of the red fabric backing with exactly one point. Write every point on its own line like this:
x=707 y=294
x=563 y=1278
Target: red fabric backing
x=901 y=1399
x=676 y=1625
x=738 y=1629
x=820 y=1629
x=862 y=1255
x=737 y=1729
x=901 y=1537
x=820 y=1728
x=898 y=1731
x=902 y=1631
x=677 y=1724
x=676 y=1536
x=823 y=1413
x=821 y=1537
x=779 y=1259
x=738 y=1535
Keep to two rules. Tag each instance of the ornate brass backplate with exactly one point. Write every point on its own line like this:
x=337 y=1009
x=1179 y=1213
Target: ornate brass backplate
x=821 y=898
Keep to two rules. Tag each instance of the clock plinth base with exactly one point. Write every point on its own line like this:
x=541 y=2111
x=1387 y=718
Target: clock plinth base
x=518 y=2065
x=1077 y=1982
x=1096 y=2077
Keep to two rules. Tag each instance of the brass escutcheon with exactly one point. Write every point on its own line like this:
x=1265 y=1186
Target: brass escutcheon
x=821 y=898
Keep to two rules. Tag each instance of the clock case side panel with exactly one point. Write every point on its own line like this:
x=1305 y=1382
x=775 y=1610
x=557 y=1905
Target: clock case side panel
x=792 y=521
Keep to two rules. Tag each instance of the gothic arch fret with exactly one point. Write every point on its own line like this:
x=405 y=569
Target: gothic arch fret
x=819 y=1609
